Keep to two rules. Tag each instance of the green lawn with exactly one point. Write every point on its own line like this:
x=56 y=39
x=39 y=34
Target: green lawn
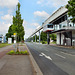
x=45 y=42
x=53 y=42
x=4 y=44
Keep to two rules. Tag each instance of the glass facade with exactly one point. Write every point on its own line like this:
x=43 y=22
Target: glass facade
x=67 y=24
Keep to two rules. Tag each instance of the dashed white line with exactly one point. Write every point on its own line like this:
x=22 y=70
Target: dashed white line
x=67 y=54
x=60 y=55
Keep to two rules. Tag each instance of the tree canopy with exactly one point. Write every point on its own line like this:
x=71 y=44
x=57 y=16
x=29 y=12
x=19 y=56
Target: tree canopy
x=71 y=9
x=43 y=36
x=53 y=37
x=17 y=26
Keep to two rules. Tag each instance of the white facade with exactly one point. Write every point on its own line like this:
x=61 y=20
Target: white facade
x=62 y=38
x=73 y=36
x=9 y=40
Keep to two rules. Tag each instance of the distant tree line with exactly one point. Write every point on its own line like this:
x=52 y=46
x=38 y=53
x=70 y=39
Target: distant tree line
x=43 y=37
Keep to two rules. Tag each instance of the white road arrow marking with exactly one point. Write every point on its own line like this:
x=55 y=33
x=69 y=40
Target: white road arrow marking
x=48 y=57
x=40 y=55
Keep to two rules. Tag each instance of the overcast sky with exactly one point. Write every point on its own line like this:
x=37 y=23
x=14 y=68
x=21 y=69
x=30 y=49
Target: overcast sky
x=33 y=12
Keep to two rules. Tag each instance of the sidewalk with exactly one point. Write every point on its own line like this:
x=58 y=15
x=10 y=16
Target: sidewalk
x=15 y=64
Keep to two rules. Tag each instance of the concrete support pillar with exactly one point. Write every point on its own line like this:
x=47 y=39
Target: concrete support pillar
x=67 y=21
x=35 y=37
x=73 y=24
x=71 y=38
x=48 y=38
x=60 y=38
x=39 y=36
x=32 y=38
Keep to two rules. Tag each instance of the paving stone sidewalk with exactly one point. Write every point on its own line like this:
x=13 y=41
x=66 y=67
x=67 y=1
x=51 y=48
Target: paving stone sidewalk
x=16 y=64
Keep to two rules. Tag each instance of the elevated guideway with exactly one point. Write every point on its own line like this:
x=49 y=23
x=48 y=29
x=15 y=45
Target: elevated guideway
x=54 y=17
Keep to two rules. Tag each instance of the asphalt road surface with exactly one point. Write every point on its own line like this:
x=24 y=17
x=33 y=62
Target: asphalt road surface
x=53 y=60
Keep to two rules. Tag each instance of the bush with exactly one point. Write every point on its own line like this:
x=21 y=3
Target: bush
x=12 y=52
x=43 y=42
x=26 y=52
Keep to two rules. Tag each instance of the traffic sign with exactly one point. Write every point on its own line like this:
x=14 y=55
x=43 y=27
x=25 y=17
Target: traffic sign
x=14 y=33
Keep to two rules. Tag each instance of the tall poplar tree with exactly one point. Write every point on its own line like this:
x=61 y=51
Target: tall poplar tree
x=17 y=26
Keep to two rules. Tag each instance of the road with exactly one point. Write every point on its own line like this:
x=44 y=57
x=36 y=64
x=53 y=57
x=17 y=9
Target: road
x=53 y=60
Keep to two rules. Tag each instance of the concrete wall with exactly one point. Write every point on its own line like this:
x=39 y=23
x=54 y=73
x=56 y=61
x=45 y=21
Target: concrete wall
x=73 y=34
x=58 y=38
x=68 y=41
x=73 y=37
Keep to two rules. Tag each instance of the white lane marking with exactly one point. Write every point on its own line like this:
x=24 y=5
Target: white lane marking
x=67 y=54
x=40 y=55
x=46 y=50
x=60 y=55
x=48 y=57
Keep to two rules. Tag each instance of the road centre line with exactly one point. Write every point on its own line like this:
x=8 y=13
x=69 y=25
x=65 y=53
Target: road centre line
x=60 y=55
x=67 y=54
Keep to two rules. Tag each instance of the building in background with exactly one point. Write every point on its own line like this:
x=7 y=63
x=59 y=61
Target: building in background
x=2 y=39
x=62 y=26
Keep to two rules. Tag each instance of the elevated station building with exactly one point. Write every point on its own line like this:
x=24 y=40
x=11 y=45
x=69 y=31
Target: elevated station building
x=59 y=23
x=62 y=26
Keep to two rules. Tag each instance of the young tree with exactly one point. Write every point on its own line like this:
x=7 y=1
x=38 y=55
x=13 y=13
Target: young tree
x=17 y=26
x=43 y=36
x=71 y=9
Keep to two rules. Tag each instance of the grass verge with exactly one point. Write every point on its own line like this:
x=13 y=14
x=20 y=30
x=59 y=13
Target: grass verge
x=44 y=42
x=4 y=44
x=54 y=42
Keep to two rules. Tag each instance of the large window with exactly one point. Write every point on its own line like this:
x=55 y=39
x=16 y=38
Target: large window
x=50 y=26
